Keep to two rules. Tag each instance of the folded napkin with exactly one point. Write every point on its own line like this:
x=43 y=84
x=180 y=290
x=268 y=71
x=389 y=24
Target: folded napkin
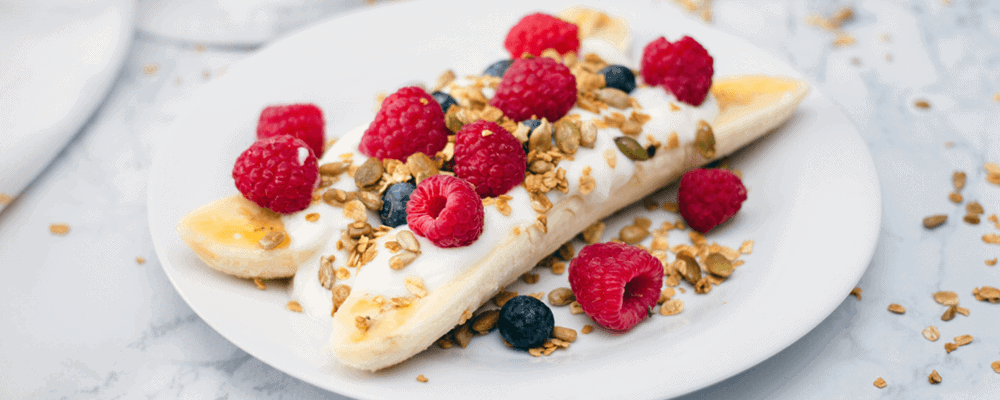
x=58 y=59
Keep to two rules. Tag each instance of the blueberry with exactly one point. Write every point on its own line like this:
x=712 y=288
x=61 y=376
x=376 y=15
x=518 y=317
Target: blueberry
x=619 y=77
x=525 y=322
x=531 y=124
x=445 y=100
x=394 y=201
x=498 y=68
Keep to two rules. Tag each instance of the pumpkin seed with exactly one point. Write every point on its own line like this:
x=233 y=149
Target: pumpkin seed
x=631 y=148
x=704 y=140
x=369 y=173
x=718 y=265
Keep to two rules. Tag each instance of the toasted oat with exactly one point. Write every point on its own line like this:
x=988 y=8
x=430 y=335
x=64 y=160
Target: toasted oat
x=415 y=285
x=260 y=283
x=633 y=234
x=955 y=197
x=564 y=334
x=946 y=297
x=590 y=328
x=502 y=297
x=987 y=293
x=294 y=306
x=896 y=308
x=558 y=267
x=673 y=207
x=537 y=295
x=935 y=221
x=856 y=292
x=963 y=340
x=408 y=241
x=529 y=277
x=401 y=260
x=340 y=293
x=996 y=364
x=971 y=219
x=991 y=262
x=931 y=333
x=140 y=260
x=559 y=297
x=880 y=383
x=610 y=156
x=934 y=377
x=672 y=307
x=59 y=229
x=949 y=314
x=665 y=295
x=363 y=323
x=843 y=39
x=421 y=378
x=326 y=275
x=575 y=308
x=484 y=322
x=356 y=211
x=991 y=238
x=950 y=347
x=593 y=232
x=587 y=182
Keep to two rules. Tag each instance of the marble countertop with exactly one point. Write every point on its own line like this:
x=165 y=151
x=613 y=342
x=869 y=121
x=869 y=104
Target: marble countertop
x=91 y=314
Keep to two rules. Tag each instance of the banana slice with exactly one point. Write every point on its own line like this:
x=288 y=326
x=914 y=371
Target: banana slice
x=368 y=334
x=238 y=237
x=598 y=25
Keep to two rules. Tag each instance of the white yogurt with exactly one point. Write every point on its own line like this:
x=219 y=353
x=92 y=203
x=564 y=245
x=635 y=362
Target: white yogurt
x=438 y=266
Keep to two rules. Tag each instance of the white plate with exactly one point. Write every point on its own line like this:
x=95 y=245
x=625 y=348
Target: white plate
x=814 y=211
x=58 y=59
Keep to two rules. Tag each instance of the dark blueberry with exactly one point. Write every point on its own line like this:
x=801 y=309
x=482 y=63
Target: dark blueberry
x=525 y=322
x=394 y=201
x=498 y=68
x=531 y=124
x=619 y=77
x=445 y=100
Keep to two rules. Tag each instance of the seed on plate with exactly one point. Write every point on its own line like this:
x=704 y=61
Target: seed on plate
x=567 y=136
x=271 y=240
x=633 y=234
x=614 y=97
x=564 y=334
x=704 y=140
x=369 y=173
x=935 y=221
x=688 y=268
x=896 y=308
x=561 y=296
x=485 y=322
x=718 y=265
x=931 y=333
x=590 y=328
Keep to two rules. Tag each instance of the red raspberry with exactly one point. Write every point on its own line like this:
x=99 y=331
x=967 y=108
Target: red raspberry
x=409 y=121
x=494 y=163
x=537 y=87
x=304 y=121
x=709 y=197
x=279 y=173
x=683 y=67
x=446 y=210
x=616 y=284
x=537 y=32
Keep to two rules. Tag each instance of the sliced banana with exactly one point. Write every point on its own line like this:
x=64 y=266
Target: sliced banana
x=369 y=335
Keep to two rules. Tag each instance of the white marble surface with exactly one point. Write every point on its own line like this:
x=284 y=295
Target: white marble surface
x=82 y=319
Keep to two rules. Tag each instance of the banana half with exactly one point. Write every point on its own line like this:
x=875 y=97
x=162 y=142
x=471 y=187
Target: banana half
x=367 y=335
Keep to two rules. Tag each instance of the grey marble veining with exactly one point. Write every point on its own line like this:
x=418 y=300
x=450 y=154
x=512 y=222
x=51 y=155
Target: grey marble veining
x=82 y=319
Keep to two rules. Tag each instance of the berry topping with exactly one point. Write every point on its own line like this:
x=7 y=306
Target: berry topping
x=489 y=157
x=409 y=121
x=279 y=173
x=537 y=32
x=304 y=121
x=394 y=201
x=616 y=284
x=537 y=87
x=618 y=77
x=446 y=210
x=709 y=197
x=525 y=322
x=683 y=67
x=445 y=100
x=498 y=68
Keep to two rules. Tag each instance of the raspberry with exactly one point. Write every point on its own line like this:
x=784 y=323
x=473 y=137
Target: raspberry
x=446 y=210
x=492 y=162
x=616 y=284
x=683 y=67
x=304 y=121
x=279 y=173
x=709 y=197
x=537 y=32
x=535 y=86
x=409 y=121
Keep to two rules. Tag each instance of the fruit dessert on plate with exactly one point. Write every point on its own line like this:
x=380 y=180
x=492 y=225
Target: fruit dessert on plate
x=403 y=228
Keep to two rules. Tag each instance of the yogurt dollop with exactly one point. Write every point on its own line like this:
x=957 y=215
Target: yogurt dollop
x=437 y=266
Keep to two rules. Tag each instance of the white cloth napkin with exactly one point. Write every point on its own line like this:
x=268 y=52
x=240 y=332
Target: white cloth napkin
x=58 y=58
x=233 y=22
